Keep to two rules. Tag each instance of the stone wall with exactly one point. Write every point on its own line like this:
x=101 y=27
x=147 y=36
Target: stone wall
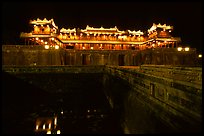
x=37 y=55
x=171 y=94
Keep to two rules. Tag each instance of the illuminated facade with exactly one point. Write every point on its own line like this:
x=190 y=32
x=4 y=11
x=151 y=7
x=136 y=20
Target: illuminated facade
x=47 y=34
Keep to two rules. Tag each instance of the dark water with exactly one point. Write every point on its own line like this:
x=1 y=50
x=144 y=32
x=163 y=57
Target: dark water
x=85 y=106
x=83 y=100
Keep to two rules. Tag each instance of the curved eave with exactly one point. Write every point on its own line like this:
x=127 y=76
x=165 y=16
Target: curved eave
x=101 y=42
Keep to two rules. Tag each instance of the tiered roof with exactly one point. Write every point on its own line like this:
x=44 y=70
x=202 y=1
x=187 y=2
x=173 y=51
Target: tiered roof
x=102 y=30
x=43 y=22
x=155 y=26
x=63 y=30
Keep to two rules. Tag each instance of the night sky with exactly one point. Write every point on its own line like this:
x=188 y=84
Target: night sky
x=186 y=17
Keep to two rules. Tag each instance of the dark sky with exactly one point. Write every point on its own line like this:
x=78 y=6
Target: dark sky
x=186 y=17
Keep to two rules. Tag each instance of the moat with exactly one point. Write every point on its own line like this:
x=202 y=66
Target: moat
x=79 y=100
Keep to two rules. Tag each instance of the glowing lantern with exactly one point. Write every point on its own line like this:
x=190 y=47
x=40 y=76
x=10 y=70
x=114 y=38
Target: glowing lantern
x=56 y=46
x=58 y=132
x=200 y=56
x=179 y=48
x=49 y=132
x=187 y=49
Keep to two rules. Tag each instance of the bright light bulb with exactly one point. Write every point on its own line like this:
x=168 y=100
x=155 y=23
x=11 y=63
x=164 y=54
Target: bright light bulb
x=179 y=48
x=49 y=132
x=200 y=56
x=56 y=47
x=187 y=49
x=47 y=47
x=37 y=127
x=58 y=132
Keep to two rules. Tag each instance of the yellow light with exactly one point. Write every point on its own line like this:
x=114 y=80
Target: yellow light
x=53 y=38
x=88 y=111
x=58 y=132
x=48 y=132
x=45 y=42
x=43 y=126
x=47 y=47
x=49 y=125
x=41 y=40
x=62 y=112
x=37 y=127
x=83 y=47
x=56 y=46
x=37 y=38
x=153 y=45
x=91 y=48
x=187 y=49
x=55 y=121
x=200 y=56
x=179 y=48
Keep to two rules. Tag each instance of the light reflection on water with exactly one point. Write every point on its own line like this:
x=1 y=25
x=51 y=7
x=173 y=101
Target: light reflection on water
x=77 y=118
x=79 y=110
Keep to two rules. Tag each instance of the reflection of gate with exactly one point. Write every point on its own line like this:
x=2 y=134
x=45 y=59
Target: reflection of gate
x=121 y=60
x=86 y=59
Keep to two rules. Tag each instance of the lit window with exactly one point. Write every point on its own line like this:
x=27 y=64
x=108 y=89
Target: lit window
x=55 y=121
x=49 y=125
x=37 y=127
x=91 y=48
